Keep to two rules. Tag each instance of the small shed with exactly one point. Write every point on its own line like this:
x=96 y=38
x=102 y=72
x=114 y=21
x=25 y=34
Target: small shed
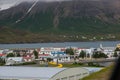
x=42 y=73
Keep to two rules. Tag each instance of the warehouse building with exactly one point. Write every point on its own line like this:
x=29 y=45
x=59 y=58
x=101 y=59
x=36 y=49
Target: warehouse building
x=42 y=73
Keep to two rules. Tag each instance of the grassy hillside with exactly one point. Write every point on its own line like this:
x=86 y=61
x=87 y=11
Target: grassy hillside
x=78 y=20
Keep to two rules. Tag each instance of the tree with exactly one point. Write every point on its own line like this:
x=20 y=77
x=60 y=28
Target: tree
x=82 y=54
x=117 y=49
x=2 y=61
x=49 y=59
x=115 y=54
x=35 y=54
x=88 y=55
x=10 y=55
x=103 y=55
x=18 y=55
x=95 y=55
x=69 y=51
x=99 y=55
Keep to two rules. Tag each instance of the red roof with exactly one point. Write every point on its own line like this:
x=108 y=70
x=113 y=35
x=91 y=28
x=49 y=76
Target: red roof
x=27 y=57
x=43 y=54
x=2 y=54
x=63 y=49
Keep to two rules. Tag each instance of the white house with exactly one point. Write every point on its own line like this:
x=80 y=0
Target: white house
x=86 y=50
x=109 y=51
x=1 y=51
x=28 y=59
x=50 y=50
x=60 y=56
x=46 y=50
x=7 y=51
x=14 y=60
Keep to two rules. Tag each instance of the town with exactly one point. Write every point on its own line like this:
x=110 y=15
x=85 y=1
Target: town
x=55 y=61
x=56 y=54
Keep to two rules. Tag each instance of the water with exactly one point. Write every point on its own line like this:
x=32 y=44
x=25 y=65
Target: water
x=64 y=44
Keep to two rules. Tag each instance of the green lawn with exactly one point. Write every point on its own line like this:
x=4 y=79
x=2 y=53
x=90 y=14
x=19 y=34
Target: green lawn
x=104 y=74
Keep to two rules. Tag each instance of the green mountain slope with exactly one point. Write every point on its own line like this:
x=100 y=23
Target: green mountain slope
x=78 y=18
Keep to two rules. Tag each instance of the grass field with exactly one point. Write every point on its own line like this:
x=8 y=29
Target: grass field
x=104 y=74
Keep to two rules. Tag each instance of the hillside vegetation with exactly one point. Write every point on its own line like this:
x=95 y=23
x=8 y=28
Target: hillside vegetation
x=104 y=74
x=78 y=20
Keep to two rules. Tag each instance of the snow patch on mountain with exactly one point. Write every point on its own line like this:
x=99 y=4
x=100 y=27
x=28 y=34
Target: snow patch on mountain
x=5 y=6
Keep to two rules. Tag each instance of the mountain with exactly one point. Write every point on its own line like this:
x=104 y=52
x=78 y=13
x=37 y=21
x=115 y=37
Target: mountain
x=66 y=18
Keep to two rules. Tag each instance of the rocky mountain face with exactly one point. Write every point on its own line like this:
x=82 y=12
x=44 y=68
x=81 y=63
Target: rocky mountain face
x=76 y=16
x=52 y=14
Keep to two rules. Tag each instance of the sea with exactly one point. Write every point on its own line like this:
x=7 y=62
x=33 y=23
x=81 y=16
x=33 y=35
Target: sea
x=62 y=44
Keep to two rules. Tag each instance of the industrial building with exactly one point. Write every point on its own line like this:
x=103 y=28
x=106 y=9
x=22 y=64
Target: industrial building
x=42 y=73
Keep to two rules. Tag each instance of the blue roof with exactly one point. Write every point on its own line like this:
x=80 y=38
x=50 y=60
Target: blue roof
x=58 y=53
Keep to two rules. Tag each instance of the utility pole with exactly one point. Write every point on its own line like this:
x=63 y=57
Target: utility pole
x=57 y=58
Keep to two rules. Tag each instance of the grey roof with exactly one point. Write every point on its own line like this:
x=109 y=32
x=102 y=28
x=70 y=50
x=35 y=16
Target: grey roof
x=10 y=72
x=15 y=58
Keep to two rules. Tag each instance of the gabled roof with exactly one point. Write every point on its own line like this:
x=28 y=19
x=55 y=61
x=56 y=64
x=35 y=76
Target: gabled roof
x=15 y=58
x=27 y=57
x=2 y=55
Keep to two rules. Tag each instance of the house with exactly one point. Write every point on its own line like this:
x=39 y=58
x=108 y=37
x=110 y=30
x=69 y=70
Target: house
x=44 y=56
x=46 y=50
x=1 y=51
x=60 y=57
x=14 y=60
x=28 y=59
x=2 y=55
x=23 y=52
x=109 y=51
x=7 y=51
x=86 y=50
x=50 y=50
x=55 y=56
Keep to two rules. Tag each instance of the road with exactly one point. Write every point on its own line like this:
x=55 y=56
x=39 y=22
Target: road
x=91 y=60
